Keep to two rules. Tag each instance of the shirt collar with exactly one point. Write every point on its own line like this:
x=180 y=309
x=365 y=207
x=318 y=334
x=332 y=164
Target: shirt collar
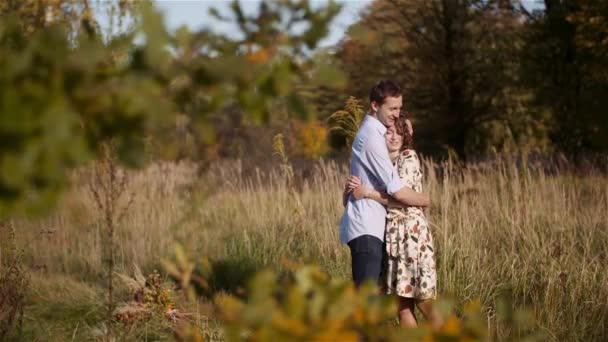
x=375 y=123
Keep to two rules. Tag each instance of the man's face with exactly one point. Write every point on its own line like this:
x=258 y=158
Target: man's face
x=389 y=111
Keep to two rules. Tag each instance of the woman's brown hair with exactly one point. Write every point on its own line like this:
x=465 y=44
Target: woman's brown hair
x=401 y=129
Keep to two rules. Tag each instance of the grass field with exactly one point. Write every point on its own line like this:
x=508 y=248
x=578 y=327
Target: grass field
x=538 y=239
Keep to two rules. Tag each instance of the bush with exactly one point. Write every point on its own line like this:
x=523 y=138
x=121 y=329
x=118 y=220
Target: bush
x=307 y=305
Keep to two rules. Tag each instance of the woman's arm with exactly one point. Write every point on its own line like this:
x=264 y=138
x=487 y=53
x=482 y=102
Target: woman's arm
x=409 y=197
x=378 y=196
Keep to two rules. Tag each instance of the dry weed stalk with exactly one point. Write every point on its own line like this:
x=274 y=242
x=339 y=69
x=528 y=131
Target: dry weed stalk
x=279 y=150
x=14 y=283
x=107 y=186
x=299 y=212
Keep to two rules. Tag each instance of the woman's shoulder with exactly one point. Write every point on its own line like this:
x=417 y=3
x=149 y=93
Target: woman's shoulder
x=409 y=154
x=408 y=158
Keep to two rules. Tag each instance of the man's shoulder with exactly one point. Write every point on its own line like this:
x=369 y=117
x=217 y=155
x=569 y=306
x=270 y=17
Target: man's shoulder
x=364 y=128
x=368 y=133
x=371 y=139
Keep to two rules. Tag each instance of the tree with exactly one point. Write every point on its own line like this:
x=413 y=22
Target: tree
x=58 y=102
x=74 y=15
x=64 y=92
x=253 y=78
x=565 y=65
x=457 y=61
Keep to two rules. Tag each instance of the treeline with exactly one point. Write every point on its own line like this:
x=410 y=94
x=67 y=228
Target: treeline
x=480 y=77
x=483 y=76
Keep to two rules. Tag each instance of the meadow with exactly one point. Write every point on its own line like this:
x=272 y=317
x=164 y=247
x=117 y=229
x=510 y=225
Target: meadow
x=526 y=234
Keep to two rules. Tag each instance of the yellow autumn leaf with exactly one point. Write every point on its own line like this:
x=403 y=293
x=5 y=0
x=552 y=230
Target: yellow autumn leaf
x=292 y=326
x=261 y=56
x=229 y=307
x=451 y=326
x=347 y=335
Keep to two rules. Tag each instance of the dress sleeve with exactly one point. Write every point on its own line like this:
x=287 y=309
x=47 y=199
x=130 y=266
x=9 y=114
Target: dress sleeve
x=408 y=167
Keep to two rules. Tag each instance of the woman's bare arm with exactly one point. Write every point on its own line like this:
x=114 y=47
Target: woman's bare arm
x=409 y=197
x=405 y=197
x=378 y=196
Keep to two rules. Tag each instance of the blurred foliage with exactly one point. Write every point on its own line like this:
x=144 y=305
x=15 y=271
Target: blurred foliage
x=59 y=101
x=328 y=83
x=73 y=15
x=258 y=72
x=66 y=89
x=306 y=304
x=303 y=303
x=307 y=307
x=311 y=139
x=191 y=276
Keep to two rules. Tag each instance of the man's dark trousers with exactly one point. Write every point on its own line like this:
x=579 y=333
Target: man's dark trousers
x=366 y=252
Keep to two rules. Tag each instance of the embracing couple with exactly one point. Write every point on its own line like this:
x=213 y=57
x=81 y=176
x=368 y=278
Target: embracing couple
x=383 y=222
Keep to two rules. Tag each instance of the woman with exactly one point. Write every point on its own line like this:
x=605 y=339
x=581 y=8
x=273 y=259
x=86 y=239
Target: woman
x=409 y=270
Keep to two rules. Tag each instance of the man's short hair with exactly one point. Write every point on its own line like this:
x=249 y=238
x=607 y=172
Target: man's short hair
x=382 y=90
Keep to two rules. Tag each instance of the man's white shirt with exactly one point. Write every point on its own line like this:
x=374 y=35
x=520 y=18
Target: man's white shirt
x=371 y=163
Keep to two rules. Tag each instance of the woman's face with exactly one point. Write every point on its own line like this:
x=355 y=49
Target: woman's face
x=394 y=141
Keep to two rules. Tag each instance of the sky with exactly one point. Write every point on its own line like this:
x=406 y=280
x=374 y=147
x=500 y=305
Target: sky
x=194 y=14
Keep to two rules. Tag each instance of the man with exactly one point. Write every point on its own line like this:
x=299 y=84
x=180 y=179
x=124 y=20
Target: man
x=363 y=222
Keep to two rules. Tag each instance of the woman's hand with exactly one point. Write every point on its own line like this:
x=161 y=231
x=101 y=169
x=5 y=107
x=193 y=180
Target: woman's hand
x=354 y=187
x=352 y=183
x=410 y=129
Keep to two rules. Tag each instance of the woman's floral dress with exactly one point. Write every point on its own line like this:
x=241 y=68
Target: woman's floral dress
x=410 y=264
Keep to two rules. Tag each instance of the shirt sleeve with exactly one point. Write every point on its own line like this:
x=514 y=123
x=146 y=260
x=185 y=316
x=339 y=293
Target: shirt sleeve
x=376 y=160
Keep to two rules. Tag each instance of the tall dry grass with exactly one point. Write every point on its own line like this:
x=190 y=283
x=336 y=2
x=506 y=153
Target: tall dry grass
x=501 y=231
